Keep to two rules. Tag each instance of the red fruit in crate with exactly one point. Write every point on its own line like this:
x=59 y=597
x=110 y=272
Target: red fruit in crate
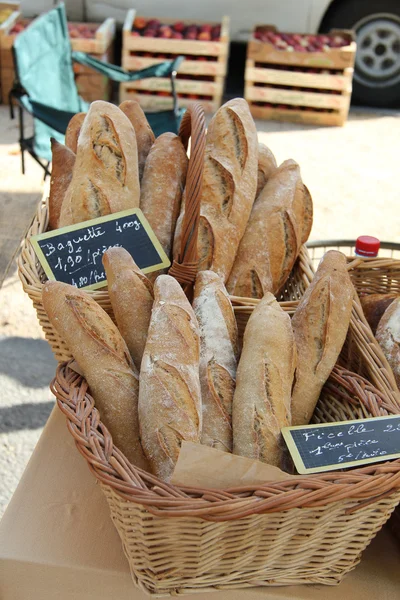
x=299 y=48
x=290 y=49
x=179 y=26
x=204 y=35
x=165 y=34
x=176 y=35
x=324 y=39
x=150 y=33
x=153 y=24
x=281 y=44
x=192 y=27
x=206 y=28
x=140 y=23
x=74 y=33
x=135 y=34
x=297 y=38
x=216 y=31
x=258 y=35
x=191 y=35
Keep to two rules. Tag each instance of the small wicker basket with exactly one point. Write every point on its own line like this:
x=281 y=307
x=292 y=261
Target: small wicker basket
x=33 y=277
x=312 y=529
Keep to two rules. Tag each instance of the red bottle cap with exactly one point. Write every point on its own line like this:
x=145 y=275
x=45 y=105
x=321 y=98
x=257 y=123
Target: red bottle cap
x=367 y=246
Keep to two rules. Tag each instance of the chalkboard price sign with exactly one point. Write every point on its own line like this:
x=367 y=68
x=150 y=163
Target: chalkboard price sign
x=74 y=254
x=332 y=446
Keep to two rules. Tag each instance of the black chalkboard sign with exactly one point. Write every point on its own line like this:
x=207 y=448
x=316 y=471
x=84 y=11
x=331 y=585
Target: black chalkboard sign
x=331 y=446
x=74 y=254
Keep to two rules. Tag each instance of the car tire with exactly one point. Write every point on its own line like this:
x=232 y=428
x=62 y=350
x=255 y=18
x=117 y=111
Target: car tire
x=377 y=70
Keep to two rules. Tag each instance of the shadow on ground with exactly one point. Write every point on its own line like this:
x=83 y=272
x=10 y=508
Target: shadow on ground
x=29 y=361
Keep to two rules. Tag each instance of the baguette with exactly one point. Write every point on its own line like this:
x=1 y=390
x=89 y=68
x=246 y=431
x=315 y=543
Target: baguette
x=73 y=131
x=320 y=326
x=374 y=306
x=131 y=295
x=144 y=134
x=229 y=187
x=62 y=163
x=105 y=178
x=266 y=166
x=261 y=403
x=388 y=336
x=162 y=186
x=169 y=391
x=218 y=358
x=104 y=359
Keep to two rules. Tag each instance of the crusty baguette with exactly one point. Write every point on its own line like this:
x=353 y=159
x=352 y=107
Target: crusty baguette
x=131 y=295
x=162 y=186
x=229 y=187
x=104 y=359
x=144 y=134
x=388 y=336
x=73 y=131
x=105 y=179
x=374 y=305
x=266 y=166
x=320 y=325
x=261 y=403
x=169 y=391
x=62 y=163
x=218 y=358
x=308 y=214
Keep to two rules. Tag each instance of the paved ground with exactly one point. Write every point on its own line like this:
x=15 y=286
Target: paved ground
x=352 y=173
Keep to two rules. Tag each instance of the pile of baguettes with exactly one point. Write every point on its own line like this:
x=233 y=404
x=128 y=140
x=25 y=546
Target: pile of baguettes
x=170 y=371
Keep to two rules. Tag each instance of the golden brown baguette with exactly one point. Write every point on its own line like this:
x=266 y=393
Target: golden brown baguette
x=218 y=358
x=308 y=214
x=320 y=326
x=104 y=359
x=266 y=166
x=62 y=163
x=105 y=179
x=388 y=336
x=169 y=391
x=229 y=187
x=73 y=130
x=374 y=306
x=162 y=186
x=144 y=134
x=261 y=403
x=131 y=295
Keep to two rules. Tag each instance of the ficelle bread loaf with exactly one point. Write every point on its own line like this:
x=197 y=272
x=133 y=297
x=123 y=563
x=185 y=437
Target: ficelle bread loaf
x=266 y=166
x=374 y=305
x=218 y=358
x=169 y=391
x=261 y=403
x=62 y=163
x=144 y=134
x=105 y=177
x=320 y=324
x=131 y=296
x=104 y=359
x=388 y=336
x=73 y=131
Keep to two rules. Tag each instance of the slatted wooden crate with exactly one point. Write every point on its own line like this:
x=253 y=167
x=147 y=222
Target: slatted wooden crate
x=305 y=87
x=201 y=76
x=7 y=37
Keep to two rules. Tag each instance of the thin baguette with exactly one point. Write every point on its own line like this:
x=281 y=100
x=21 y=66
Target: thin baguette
x=144 y=134
x=62 y=164
x=266 y=166
x=73 y=131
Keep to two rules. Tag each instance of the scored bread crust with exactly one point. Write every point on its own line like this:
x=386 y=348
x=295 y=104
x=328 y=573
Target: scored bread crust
x=261 y=403
x=105 y=178
x=388 y=336
x=62 y=164
x=104 y=359
x=131 y=296
x=144 y=134
x=218 y=358
x=73 y=131
x=169 y=390
x=266 y=166
x=320 y=324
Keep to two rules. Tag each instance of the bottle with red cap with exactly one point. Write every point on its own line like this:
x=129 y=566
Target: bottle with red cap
x=367 y=246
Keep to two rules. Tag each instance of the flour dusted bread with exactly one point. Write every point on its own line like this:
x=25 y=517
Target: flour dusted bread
x=374 y=306
x=144 y=134
x=169 y=392
x=103 y=356
x=261 y=403
x=266 y=166
x=62 y=163
x=388 y=336
x=218 y=358
x=131 y=295
x=162 y=186
x=73 y=131
x=320 y=326
x=105 y=177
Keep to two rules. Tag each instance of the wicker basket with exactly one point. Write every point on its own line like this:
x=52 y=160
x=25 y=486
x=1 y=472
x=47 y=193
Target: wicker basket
x=311 y=529
x=33 y=277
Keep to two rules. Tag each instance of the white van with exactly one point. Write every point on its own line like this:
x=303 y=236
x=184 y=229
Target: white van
x=376 y=22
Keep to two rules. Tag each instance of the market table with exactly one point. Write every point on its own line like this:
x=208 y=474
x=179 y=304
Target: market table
x=57 y=541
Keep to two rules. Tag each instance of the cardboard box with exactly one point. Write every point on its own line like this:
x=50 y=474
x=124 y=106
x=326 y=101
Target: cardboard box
x=57 y=541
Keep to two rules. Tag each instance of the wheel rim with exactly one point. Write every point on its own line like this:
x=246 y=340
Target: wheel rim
x=378 y=50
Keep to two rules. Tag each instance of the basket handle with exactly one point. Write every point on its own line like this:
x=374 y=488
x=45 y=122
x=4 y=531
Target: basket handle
x=193 y=126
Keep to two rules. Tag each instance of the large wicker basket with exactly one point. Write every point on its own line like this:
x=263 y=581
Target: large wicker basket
x=33 y=277
x=311 y=529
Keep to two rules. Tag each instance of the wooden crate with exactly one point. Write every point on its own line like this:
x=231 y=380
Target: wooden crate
x=90 y=84
x=100 y=43
x=303 y=87
x=201 y=76
x=8 y=6
x=7 y=39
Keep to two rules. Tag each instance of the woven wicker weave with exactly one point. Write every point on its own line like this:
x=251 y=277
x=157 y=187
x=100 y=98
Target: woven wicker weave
x=311 y=529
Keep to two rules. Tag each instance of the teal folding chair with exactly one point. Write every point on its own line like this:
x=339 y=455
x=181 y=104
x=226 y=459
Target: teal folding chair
x=45 y=87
